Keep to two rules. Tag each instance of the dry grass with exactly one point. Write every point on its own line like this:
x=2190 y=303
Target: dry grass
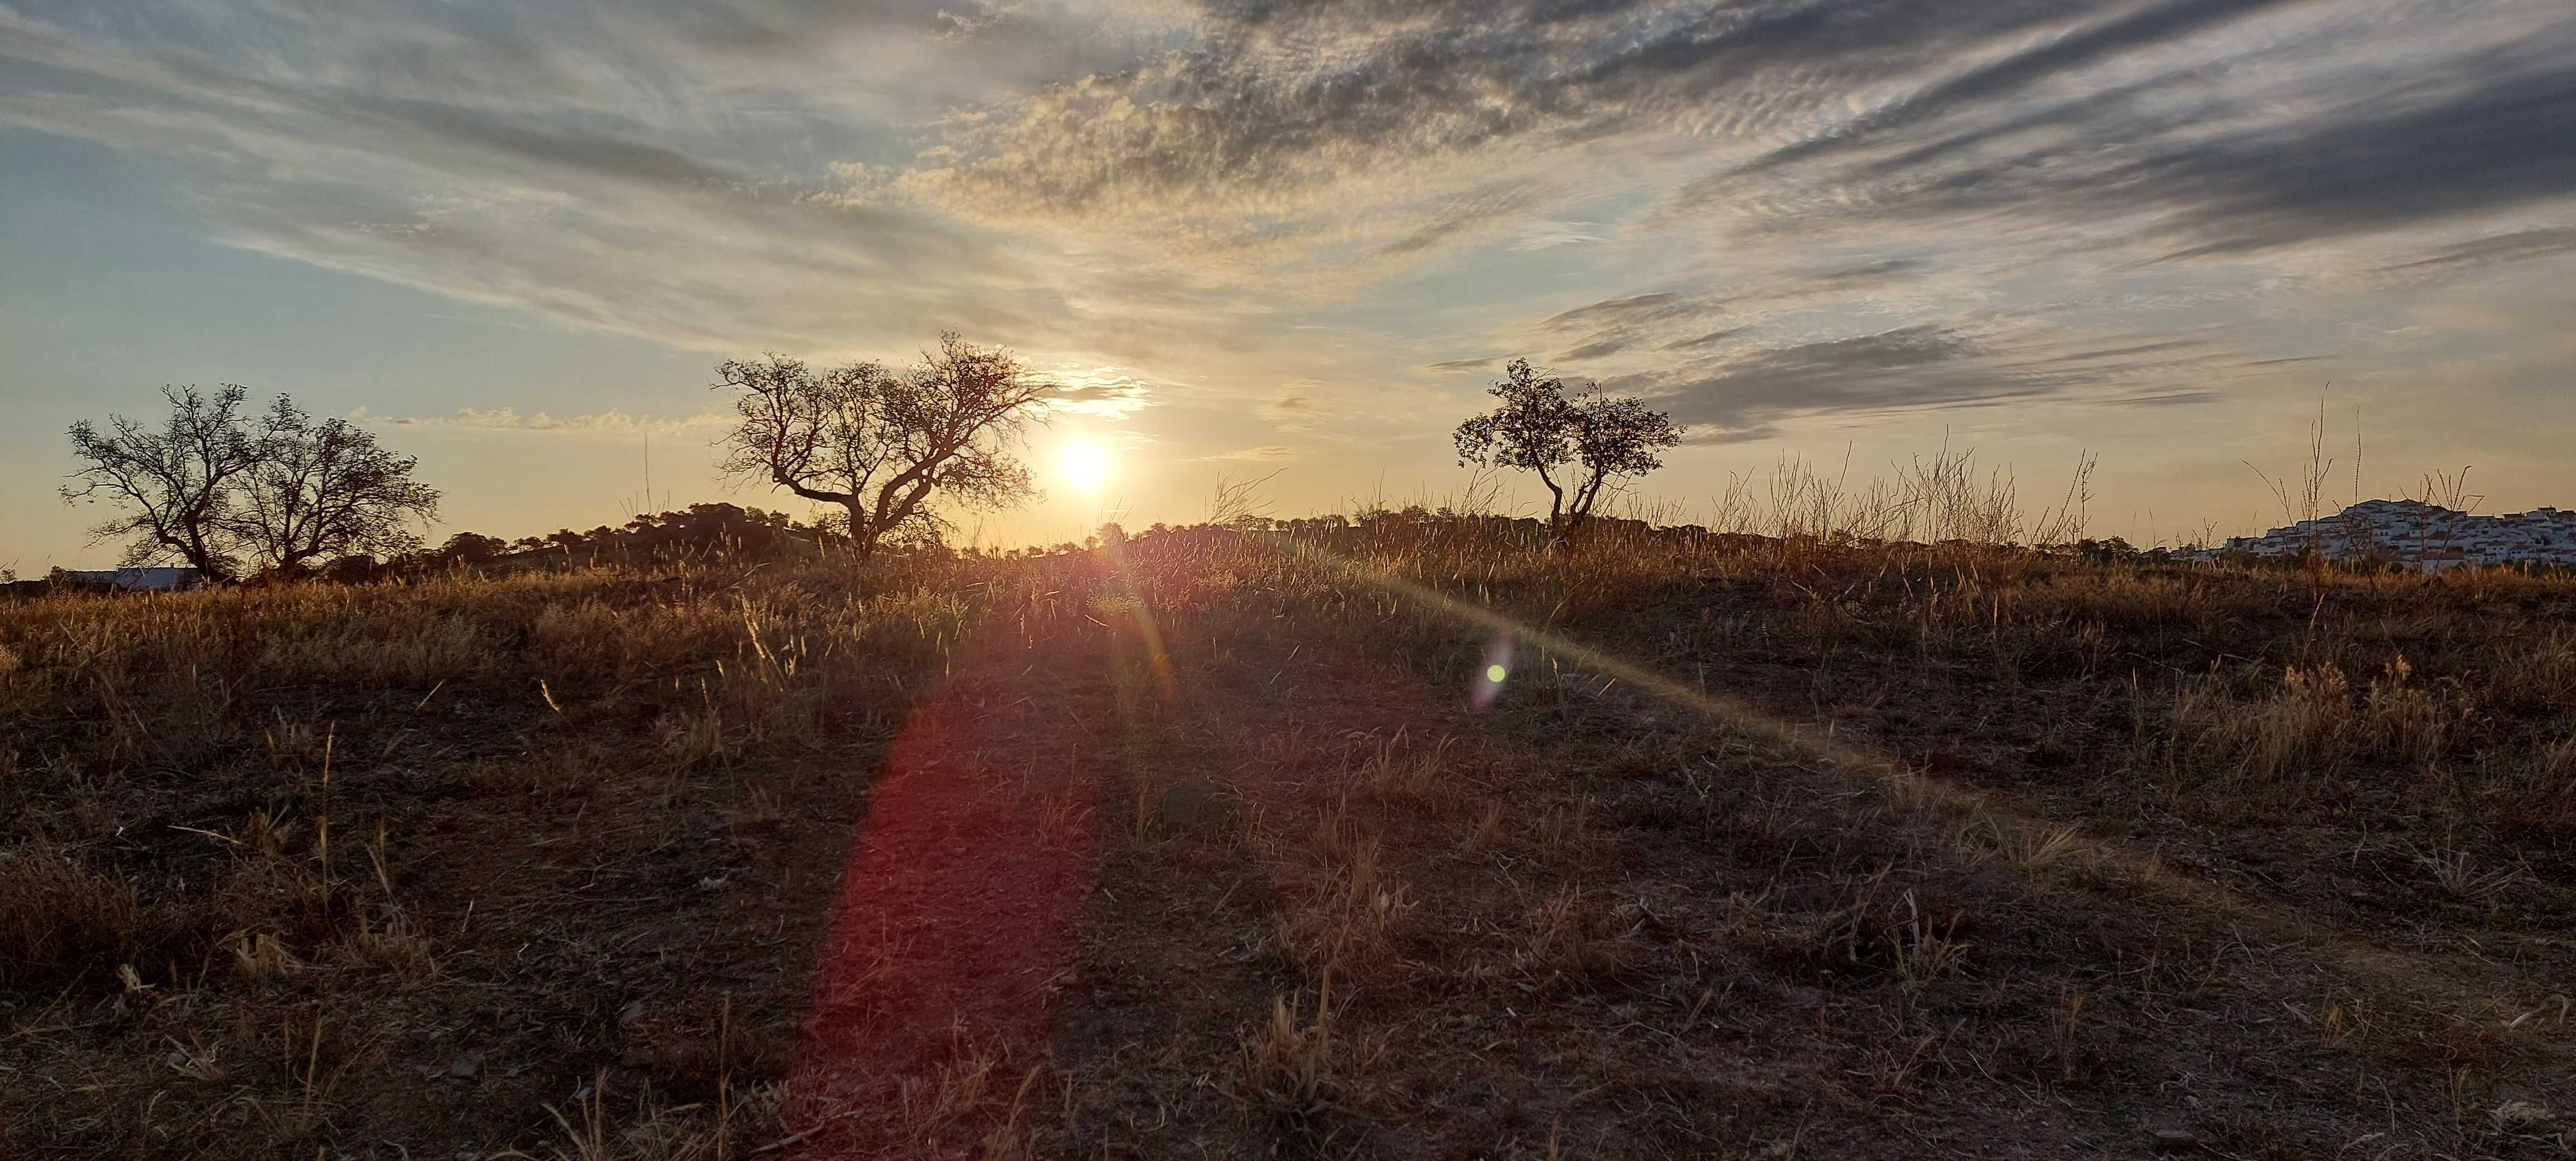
x=1286 y=1068
x=435 y=830
x=2087 y=769
x=1811 y=843
x=60 y=919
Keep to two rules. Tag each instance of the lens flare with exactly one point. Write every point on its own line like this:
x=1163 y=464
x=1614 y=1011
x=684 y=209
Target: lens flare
x=1498 y=668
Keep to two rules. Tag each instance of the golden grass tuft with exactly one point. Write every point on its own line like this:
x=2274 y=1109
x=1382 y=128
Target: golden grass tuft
x=1286 y=1066
x=60 y=919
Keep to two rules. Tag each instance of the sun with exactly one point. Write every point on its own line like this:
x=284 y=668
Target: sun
x=1084 y=464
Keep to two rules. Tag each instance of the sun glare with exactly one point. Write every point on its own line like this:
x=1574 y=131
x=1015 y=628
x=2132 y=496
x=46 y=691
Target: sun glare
x=1084 y=464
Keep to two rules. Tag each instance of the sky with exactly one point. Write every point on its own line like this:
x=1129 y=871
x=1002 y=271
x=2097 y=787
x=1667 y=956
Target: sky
x=1289 y=236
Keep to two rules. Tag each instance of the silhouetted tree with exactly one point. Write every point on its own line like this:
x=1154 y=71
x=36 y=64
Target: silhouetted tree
x=882 y=445
x=320 y=490
x=472 y=548
x=219 y=489
x=1538 y=428
x=356 y=568
x=178 y=484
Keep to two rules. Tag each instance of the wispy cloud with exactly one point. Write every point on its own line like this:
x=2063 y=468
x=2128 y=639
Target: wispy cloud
x=1292 y=406
x=511 y=419
x=1745 y=394
x=1268 y=453
x=1546 y=235
x=1101 y=392
x=2491 y=250
x=1275 y=210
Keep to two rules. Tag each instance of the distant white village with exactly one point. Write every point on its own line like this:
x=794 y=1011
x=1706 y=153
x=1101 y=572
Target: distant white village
x=132 y=578
x=2412 y=532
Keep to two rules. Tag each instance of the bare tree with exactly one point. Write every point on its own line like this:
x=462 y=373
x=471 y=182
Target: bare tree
x=177 y=484
x=882 y=445
x=1592 y=440
x=319 y=491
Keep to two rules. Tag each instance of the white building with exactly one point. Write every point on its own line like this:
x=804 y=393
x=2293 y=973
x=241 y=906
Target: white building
x=134 y=579
x=2413 y=532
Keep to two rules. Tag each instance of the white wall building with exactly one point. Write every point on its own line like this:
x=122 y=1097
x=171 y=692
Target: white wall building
x=2426 y=535
x=135 y=579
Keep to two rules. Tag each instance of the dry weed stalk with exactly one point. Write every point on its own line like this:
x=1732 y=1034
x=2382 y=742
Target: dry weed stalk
x=1286 y=1065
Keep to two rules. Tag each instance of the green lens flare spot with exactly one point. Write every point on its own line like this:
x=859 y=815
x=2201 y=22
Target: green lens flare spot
x=1496 y=674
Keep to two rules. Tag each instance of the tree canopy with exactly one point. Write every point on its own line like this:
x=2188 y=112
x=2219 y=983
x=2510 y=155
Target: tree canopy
x=226 y=492
x=324 y=489
x=884 y=446
x=1538 y=427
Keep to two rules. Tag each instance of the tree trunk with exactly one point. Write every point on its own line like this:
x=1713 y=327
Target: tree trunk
x=1555 y=510
x=863 y=532
x=1586 y=495
x=202 y=558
